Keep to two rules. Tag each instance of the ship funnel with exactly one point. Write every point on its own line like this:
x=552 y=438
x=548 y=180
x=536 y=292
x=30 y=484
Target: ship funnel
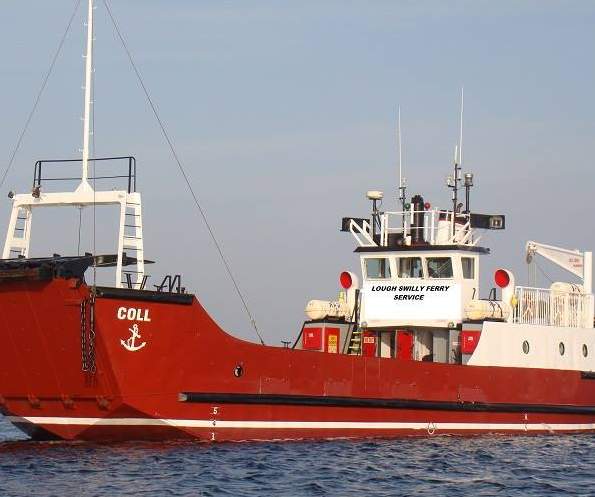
x=417 y=227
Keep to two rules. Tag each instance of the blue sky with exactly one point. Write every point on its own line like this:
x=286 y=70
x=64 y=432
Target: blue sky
x=284 y=115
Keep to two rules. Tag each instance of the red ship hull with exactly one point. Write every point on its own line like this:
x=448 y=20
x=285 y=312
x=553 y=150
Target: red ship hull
x=192 y=380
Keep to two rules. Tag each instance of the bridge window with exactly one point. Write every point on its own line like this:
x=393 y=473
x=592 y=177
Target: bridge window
x=377 y=268
x=439 y=267
x=410 y=267
x=468 y=264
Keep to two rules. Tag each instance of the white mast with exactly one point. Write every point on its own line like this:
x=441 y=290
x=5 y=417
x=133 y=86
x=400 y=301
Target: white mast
x=88 y=96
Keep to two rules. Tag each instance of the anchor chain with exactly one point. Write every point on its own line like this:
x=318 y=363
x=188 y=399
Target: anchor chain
x=84 y=335
x=91 y=356
x=88 y=335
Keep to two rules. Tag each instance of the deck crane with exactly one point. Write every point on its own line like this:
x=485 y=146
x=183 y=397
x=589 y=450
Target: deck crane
x=578 y=263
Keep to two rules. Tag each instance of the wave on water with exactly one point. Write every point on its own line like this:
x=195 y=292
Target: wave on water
x=482 y=466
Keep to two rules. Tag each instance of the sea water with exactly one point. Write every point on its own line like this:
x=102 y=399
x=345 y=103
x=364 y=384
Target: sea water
x=435 y=466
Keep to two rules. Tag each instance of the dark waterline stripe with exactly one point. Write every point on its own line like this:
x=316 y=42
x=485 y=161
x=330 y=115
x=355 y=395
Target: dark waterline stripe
x=327 y=401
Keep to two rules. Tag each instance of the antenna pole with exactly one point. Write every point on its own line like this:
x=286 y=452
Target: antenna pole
x=400 y=154
x=88 y=94
x=461 y=128
x=455 y=189
x=401 y=182
x=458 y=161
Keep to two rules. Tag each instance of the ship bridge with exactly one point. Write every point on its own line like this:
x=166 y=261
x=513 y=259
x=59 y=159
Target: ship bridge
x=420 y=265
x=418 y=286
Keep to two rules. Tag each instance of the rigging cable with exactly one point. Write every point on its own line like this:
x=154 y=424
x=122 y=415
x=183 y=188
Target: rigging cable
x=182 y=171
x=543 y=272
x=39 y=94
x=532 y=273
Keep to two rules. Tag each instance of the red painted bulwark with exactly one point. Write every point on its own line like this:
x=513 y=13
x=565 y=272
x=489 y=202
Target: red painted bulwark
x=142 y=391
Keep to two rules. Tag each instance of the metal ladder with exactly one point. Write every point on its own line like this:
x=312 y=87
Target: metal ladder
x=355 y=342
x=17 y=243
x=132 y=240
x=355 y=338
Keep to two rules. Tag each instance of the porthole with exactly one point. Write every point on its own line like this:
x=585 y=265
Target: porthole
x=526 y=347
x=238 y=371
x=585 y=350
x=561 y=348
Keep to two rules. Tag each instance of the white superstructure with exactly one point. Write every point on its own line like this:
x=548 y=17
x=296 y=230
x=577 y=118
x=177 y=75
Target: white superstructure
x=419 y=297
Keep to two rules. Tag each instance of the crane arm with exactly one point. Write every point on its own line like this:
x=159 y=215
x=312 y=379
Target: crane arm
x=573 y=261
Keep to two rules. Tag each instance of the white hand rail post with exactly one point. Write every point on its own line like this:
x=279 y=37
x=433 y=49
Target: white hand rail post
x=588 y=286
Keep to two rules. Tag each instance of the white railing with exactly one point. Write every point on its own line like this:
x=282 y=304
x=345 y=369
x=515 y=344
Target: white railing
x=436 y=231
x=438 y=228
x=363 y=233
x=545 y=307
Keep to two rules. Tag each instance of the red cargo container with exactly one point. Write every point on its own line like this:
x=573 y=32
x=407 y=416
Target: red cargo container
x=322 y=339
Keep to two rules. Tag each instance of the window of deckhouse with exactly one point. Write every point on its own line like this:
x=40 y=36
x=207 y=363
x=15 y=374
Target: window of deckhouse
x=468 y=266
x=410 y=267
x=439 y=267
x=377 y=268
